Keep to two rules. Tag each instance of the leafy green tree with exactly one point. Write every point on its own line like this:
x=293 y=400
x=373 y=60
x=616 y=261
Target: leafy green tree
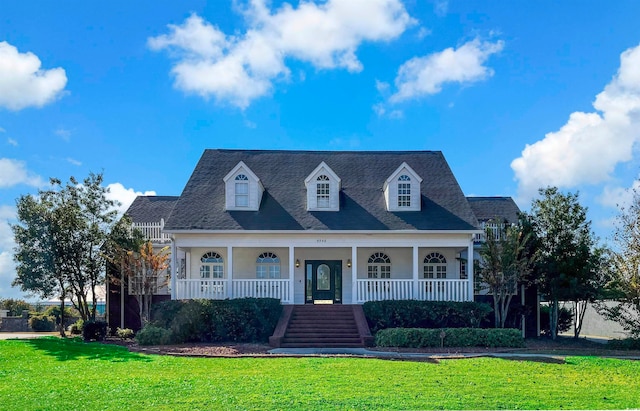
x=625 y=270
x=59 y=236
x=14 y=306
x=565 y=261
x=505 y=262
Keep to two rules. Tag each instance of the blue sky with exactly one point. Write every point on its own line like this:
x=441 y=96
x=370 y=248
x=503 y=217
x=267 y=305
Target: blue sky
x=517 y=95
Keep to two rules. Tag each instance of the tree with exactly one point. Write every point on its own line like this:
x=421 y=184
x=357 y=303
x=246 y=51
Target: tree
x=624 y=271
x=14 y=306
x=136 y=261
x=504 y=263
x=59 y=236
x=565 y=260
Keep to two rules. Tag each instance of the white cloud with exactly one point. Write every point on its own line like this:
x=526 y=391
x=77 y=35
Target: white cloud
x=124 y=196
x=74 y=161
x=12 y=142
x=23 y=83
x=63 y=134
x=426 y=75
x=588 y=147
x=7 y=266
x=14 y=172
x=440 y=7
x=2 y=130
x=616 y=197
x=240 y=68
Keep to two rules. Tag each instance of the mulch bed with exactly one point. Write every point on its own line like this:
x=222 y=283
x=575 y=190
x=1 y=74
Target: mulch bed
x=561 y=346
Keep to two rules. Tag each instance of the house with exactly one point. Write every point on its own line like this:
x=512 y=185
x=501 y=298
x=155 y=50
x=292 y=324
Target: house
x=318 y=227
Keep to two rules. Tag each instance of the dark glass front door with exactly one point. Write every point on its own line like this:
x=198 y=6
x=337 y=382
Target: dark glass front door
x=323 y=283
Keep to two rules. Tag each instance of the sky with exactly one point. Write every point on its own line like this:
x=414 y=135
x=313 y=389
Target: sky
x=517 y=95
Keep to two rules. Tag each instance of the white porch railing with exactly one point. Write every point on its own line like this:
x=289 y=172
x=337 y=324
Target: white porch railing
x=218 y=289
x=428 y=290
x=153 y=232
x=385 y=289
x=196 y=288
x=262 y=289
x=443 y=290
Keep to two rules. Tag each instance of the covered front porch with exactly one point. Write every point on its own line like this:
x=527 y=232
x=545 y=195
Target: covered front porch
x=324 y=270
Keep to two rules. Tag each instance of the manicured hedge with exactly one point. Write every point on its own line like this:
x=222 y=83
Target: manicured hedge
x=624 y=344
x=241 y=320
x=424 y=314
x=453 y=337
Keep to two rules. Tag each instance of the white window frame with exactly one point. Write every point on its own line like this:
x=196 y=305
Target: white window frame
x=268 y=266
x=211 y=266
x=242 y=190
x=379 y=266
x=404 y=191
x=323 y=191
x=434 y=266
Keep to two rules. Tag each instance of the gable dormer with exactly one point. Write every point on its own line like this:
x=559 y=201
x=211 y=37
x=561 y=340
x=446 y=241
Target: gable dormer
x=323 y=189
x=402 y=189
x=243 y=189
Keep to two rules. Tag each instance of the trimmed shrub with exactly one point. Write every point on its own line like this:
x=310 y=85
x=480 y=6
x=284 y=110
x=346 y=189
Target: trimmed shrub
x=152 y=335
x=125 y=333
x=240 y=320
x=424 y=314
x=42 y=322
x=76 y=328
x=565 y=320
x=453 y=337
x=71 y=315
x=94 y=330
x=624 y=344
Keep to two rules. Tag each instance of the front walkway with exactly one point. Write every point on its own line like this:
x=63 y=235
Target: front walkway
x=26 y=335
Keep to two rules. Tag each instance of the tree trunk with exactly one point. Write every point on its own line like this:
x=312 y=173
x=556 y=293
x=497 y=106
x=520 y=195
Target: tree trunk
x=62 y=334
x=553 y=318
x=496 y=311
x=580 y=308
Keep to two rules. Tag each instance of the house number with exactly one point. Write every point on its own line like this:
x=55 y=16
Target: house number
x=321 y=241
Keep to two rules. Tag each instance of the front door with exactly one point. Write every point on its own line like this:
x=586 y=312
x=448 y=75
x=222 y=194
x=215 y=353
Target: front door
x=323 y=283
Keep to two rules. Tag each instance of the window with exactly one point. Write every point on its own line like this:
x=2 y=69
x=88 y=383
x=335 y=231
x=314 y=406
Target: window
x=463 y=269
x=435 y=266
x=268 y=266
x=242 y=190
x=404 y=191
x=212 y=266
x=322 y=191
x=379 y=266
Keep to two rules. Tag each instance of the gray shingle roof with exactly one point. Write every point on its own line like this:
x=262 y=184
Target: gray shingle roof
x=150 y=209
x=202 y=204
x=486 y=208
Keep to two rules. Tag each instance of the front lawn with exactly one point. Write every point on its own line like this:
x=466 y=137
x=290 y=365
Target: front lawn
x=49 y=373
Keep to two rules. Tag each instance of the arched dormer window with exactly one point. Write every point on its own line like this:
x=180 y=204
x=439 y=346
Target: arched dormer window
x=242 y=190
x=435 y=266
x=268 y=265
x=404 y=191
x=379 y=266
x=211 y=265
x=323 y=191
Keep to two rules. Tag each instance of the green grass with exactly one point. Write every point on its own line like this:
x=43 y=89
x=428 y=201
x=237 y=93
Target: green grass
x=50 y=374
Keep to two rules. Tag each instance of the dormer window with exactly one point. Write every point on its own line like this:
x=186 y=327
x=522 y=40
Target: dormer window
x=323 y=189
x=404 y=191
x=242 y=190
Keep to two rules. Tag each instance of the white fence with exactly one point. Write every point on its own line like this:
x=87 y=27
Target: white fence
x=218 y=289
x=153 y=232
x=427 y=290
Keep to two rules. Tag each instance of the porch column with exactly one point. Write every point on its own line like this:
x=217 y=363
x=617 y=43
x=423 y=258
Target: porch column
x=470 y=269
x=292 y=273
x=230 y=269
x=174 y=257
x=415 y=271
x=354 y=275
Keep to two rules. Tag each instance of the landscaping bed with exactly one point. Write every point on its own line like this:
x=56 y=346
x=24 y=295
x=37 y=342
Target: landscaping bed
x=561 y=346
